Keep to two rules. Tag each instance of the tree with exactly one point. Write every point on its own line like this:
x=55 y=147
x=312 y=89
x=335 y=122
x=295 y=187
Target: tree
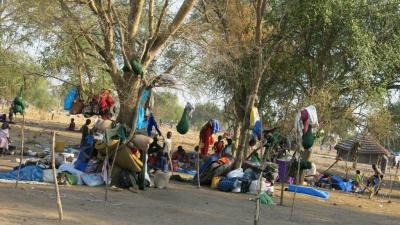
x=121 y=28
x=204 y=112
x=167 y=106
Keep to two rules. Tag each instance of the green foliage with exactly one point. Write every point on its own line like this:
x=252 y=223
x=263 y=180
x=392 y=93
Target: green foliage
x=40 y=96
x=205 y=112
x=166 y=107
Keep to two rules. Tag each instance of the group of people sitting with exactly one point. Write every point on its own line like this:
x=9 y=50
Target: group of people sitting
x=373 y=181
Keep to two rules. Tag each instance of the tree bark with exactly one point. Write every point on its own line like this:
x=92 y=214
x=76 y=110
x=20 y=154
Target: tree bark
x=236 y=135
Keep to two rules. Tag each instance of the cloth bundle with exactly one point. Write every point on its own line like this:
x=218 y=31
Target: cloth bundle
x=183 y=126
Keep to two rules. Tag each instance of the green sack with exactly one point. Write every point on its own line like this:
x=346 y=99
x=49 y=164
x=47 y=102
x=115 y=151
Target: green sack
x=18 y=105
x=136 y=67
x=66 y=178
x=183 y=125
x=266 y=199
x=305 y=165
x=71 y=179
x=308 y=138
x=255 y=158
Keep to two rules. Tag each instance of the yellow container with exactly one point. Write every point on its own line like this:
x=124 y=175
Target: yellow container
x=214 y=182
x=60 y=145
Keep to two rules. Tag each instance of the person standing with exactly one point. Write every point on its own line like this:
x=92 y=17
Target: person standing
x=85 y=133
x=86 y=148
x=205 y=136
x=165 y=156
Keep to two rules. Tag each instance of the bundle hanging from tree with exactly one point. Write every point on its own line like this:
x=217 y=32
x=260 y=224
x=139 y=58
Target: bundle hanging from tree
x=183 y=126
x=19 y=104
x=136 y=67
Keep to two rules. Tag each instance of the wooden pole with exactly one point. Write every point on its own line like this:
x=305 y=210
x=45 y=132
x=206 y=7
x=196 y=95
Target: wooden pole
x=298 y=172
x=21 y=158
x=391 y=182
x=114 y=157
x=53 y=165
x=264 y=159
x=170 y=162
x=108 y=175
x=198 y=167
x=282 y=192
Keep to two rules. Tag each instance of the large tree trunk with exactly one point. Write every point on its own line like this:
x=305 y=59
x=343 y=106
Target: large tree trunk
x=129 y=96
x=258 y=72
x=236 y=135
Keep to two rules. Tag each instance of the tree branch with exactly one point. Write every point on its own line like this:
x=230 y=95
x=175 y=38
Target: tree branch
x=122 y=37
x=151 y=17
x=162 y=38
x=134 y=18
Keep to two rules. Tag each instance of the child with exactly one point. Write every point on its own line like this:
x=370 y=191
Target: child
x=357 y=181
x=72 y=125
x=219 y=146
x=164 y=157
x=227 y=152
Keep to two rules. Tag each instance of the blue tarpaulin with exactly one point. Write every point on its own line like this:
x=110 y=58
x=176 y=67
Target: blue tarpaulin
x=27 y=173
x=341 y=184
x=69 y=98
x=141 y=122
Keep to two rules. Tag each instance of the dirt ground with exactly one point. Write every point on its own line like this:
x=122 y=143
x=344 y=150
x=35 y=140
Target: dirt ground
x=180 y=203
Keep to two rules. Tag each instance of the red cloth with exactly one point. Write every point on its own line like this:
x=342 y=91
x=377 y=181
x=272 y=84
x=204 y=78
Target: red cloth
x=218 y=146
x=106 y=101
x=304 y=119
x=180 y=156
x=205 y=135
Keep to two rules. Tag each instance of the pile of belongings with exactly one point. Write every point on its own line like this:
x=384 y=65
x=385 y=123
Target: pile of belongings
x=218 y=173
x=102 y=104
x=129 y=170
x=35 y=169
x=334 y=182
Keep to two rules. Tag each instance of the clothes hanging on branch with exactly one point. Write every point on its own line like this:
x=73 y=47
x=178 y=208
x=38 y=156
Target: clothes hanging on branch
x=72 y=94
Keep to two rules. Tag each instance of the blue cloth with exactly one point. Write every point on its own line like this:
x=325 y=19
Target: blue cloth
x=181 y=170
x=208 y=162
x=257 y=128
x=141 y=123
x=249 y=175
x=340 y=184
x=227 y=184
x=83 y=158
x=27 y=173
x=162 y=163
x=69 y=98
x=308 y=191
x=216 y=127
x=151 y=122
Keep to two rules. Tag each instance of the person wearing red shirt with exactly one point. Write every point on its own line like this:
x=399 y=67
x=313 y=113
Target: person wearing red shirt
x=205 y=136
x=219 y=146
